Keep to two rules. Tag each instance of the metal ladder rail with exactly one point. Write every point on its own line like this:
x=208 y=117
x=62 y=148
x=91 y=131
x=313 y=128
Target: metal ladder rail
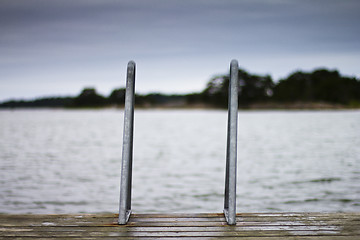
x=231 y=146
x=231 y=150
x=127 y=151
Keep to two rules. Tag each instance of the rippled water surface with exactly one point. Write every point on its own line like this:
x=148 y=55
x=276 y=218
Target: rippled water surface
x=68 y=161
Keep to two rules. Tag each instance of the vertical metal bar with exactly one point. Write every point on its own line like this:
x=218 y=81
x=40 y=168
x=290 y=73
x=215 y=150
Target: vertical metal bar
x=231 y=148
x=127 y=151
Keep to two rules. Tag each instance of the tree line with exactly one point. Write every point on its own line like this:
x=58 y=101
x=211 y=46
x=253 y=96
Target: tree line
x=320 y=85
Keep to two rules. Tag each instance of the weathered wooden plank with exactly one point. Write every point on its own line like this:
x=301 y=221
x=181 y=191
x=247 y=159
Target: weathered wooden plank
x=210 y=215
x=106 y=232
x=175 y=229
x=189 y=216
x=177 y=224
x=93 y=221
x=202 y=238
x=185 y=226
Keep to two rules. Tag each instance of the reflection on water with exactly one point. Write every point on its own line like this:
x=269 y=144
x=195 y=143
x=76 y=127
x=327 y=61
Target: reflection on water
x=68 y=161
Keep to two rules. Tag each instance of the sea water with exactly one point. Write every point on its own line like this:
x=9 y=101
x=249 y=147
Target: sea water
x=68 y=161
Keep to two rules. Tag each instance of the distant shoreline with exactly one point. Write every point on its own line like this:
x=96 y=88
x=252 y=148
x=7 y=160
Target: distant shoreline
x=321 y=89
x=202 y=106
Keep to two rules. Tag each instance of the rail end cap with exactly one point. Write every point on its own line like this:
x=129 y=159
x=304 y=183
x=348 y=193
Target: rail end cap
x=131 y=63
x=234 y=62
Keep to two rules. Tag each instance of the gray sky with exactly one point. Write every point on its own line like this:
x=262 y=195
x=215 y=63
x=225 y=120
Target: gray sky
x=59 y=47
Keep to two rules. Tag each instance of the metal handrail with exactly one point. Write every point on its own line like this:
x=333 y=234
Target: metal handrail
x=231 y=148
x=127 y=151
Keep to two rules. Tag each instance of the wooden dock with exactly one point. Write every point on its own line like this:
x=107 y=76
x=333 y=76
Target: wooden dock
x=252 y=226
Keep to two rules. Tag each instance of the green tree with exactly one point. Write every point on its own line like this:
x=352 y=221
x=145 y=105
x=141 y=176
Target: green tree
x=117 y=96
x=89 y=98
x=297 y=87
x=319 y=85
x=252 y=88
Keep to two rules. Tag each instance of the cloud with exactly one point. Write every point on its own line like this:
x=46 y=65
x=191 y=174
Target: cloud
x=185 y=40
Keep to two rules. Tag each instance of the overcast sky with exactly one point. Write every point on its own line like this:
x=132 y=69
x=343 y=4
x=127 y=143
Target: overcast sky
x=58 y=47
